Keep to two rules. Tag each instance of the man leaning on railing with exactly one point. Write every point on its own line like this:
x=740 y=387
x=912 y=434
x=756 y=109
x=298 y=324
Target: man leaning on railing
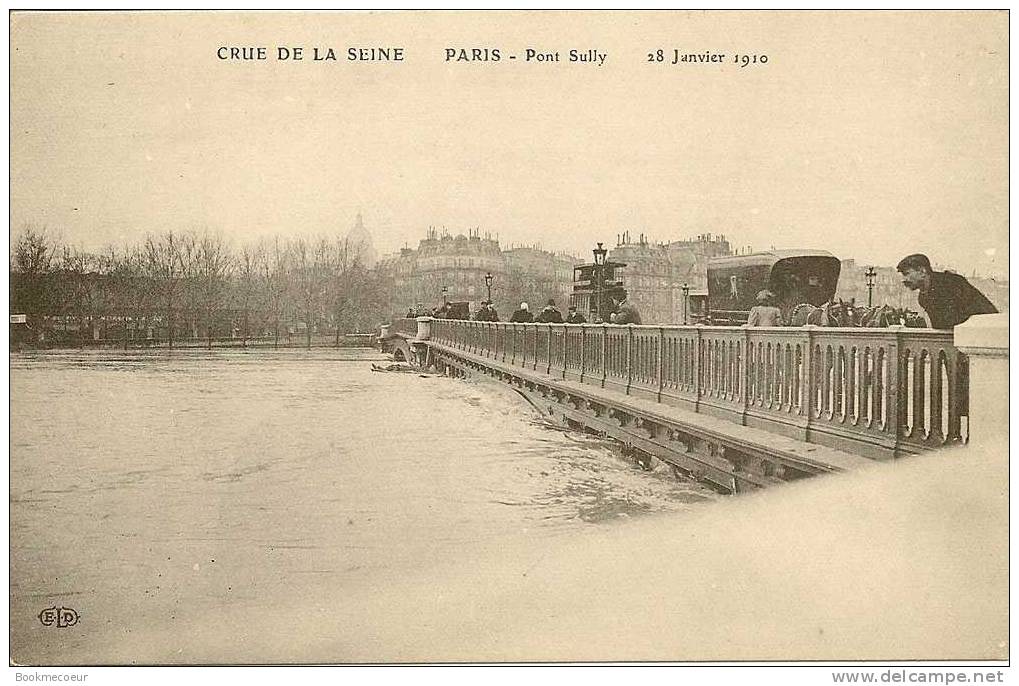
x=947 y=298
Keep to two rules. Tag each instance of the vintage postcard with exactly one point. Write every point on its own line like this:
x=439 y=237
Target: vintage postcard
x=391 y=337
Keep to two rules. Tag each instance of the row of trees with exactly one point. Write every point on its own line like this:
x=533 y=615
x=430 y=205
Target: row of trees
x=196 y=284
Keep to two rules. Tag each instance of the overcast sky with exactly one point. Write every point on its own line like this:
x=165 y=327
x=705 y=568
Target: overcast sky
x=871 y=135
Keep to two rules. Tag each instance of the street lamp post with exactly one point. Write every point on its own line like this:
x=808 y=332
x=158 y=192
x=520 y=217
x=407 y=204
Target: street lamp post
x=599 y=266
x=488 y=285
x=686 y=304
x=445 y=293
x=870 y=274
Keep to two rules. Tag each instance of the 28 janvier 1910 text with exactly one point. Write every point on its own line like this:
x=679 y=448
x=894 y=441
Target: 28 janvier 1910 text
x=676 y=57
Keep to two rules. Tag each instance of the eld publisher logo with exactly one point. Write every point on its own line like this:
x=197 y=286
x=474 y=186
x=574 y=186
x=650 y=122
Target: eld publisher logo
x=60 y=617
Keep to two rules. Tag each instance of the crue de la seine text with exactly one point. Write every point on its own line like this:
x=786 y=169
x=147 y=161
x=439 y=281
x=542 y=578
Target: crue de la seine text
x=584 y=56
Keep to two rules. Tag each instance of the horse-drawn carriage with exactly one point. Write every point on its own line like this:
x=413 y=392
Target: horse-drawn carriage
x=794 y=277
x=803 y=283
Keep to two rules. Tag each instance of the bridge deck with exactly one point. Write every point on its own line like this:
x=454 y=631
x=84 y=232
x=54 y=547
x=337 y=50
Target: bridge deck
x=748 y=439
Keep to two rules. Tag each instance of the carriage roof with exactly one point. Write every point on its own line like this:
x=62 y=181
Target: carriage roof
x=766 y=258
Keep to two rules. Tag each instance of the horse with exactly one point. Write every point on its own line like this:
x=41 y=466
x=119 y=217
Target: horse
x=886 y=315
x=842 y=313
x=828 y=314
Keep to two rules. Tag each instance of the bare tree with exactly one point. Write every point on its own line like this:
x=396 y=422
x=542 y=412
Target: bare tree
x=34 y=250
x=191 y=291
x=213 y=266
x=81 y=291
x=309 y=270
x=164 y=264
x=344 y=268
x=130 y=292
x=274 y=283
x=374 y=297
x=32 y=261
x=250 y=265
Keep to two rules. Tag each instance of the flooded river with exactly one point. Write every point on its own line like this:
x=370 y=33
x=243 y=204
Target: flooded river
x=152 y=493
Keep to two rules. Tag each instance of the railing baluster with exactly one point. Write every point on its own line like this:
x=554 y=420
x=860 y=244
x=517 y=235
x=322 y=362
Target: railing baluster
x=807 y=381
x=937 y=433
x=583 y=352
x=629 y=358
x=744 y=374
x=604 y=354
x=895 y=399
x=660 y=361
x=919 y=371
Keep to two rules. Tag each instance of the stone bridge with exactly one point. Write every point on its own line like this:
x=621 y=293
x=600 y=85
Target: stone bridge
x=736 y=407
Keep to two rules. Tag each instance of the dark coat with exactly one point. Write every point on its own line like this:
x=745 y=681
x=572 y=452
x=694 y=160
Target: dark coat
x=576 y=318
x=550 y=315
x=626 y=314
x=522 y=317
x=486 y=314
x=951 y=300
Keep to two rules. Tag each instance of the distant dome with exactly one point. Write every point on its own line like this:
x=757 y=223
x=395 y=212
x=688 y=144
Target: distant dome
x=360 y=239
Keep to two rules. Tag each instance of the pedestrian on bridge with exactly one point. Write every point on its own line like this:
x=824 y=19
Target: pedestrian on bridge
x=522 y=315
x=574 y=317
x=764 y=313
x=550 y=314
x=486 y=313
x=947 y=298
x=625 y=312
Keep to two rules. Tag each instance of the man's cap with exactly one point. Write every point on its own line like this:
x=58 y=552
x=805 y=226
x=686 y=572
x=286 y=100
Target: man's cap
x=551 y=302
x=914 y=261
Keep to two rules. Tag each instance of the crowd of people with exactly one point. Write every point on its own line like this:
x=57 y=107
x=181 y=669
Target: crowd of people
x=947 y=299
x=623 y=313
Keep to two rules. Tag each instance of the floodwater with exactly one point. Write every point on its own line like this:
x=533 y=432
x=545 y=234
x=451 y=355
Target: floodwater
x=157 y=494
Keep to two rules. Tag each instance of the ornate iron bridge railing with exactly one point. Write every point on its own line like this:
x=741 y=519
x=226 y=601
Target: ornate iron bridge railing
x=896 y=390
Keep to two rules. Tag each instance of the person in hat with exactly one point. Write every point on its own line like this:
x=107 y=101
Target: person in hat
x=574 y=317
x=947 y=298
x=486 y=313
x=482 y=314
x=550 y=314
x=764 y=313
x=493 y=316
x=522 y=315
x=624 y=313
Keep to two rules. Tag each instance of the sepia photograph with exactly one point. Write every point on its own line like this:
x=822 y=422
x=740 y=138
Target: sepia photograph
x=510 y=337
